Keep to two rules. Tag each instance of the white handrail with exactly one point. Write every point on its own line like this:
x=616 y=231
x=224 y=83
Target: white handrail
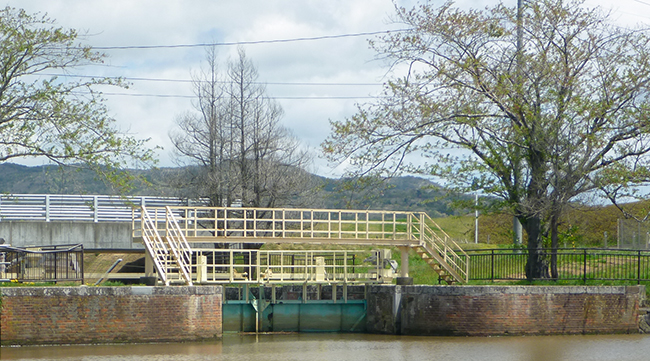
x=154 y=244
x=68 y=207
x=282 y=266
x=259 y=225
x=458 y=265
x=179 y=246
x=289 y=223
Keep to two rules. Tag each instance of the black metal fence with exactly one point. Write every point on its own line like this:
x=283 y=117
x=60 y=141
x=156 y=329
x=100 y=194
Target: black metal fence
x=60 y=263
x=581 y=264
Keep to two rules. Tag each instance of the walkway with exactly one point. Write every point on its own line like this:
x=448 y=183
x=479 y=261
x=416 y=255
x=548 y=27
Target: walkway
x=168 y=233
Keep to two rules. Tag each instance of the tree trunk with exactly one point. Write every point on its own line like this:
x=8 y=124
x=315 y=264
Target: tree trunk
x=537 y=265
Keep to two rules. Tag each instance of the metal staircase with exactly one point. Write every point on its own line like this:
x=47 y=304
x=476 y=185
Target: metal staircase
x=180 y=250
x=451 y=266
x=171 y=254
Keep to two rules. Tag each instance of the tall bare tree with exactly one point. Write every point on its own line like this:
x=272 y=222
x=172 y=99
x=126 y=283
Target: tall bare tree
x=234 y=143
x=567 y=116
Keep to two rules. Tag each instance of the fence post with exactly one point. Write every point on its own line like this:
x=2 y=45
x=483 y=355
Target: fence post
x=638 y=267
x=584 y=266
x=492 y=266
x=422 y=238
x=80 y=270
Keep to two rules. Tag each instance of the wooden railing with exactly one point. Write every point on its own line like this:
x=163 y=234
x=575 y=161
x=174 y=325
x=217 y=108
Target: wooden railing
x=252 y=224
x=321 y=226
x=453 y=258
x=169 y=252
x=262 y=266
x=155 y=245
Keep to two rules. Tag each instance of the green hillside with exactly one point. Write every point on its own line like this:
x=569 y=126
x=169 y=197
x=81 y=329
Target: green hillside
x=581 y=225
x=401 y=193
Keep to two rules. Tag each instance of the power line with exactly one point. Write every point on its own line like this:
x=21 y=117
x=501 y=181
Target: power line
x=254 y=42
x=222 y=82
x=180 y=96
x=642 y=2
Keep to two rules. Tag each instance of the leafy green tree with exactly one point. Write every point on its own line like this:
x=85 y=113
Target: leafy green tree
x=42 y=115
x=563 y=117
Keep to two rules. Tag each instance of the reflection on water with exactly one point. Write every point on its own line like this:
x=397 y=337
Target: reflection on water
x=357 y=347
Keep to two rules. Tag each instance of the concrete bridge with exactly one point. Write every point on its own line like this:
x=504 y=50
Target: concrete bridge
x=96 y=221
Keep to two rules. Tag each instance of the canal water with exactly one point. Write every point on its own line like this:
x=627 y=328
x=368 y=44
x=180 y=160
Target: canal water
x=357 y=347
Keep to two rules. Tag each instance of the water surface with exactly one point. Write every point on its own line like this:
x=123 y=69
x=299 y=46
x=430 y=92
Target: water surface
x=357 y=347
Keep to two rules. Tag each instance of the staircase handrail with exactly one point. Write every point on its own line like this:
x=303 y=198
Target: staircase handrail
x=150 y=228
x=457 y=265
x=179 y=246
x=451 y=257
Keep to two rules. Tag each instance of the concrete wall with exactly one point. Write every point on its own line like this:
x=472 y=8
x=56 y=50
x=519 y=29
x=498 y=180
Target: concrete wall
x=70 y=315
x=92 y=235
x=501 y=310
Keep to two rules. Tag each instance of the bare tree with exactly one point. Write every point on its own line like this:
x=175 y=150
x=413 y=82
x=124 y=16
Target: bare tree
x=233 y=143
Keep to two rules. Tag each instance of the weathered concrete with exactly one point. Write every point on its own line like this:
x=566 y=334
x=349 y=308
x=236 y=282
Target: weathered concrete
x=500 y=310
x=72 y=315
x=90 y=234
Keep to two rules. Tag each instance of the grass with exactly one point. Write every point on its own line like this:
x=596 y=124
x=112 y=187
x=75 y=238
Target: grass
x=14 y=283
x=459 y=228
x=29 y=284
x=565 y=283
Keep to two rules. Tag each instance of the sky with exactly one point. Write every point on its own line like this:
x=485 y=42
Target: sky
x=314 y=81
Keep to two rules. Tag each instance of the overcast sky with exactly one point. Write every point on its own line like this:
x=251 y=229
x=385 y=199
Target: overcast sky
x=313 y=80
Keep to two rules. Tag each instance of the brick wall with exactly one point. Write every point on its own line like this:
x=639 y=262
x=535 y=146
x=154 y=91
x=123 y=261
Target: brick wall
x=499 y=310
x=55 y=315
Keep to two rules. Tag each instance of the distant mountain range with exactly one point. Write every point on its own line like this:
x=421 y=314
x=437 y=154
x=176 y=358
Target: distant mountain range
x=406 y=193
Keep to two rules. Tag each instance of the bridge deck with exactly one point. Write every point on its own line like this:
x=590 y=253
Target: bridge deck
x=171 y=230
x=314 y=241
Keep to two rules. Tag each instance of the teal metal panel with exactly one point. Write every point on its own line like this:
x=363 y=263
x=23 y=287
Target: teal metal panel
x=353 y=317
x=318 y=317
x=286 y=317
x=312 y=316
x=238 y=317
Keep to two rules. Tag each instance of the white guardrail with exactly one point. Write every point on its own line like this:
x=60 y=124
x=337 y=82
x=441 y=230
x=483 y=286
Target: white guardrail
x=64 y=207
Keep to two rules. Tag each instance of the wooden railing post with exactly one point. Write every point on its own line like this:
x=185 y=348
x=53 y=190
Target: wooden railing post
x=422 y=237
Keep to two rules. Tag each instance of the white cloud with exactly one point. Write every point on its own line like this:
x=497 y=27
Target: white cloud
x=169 y=22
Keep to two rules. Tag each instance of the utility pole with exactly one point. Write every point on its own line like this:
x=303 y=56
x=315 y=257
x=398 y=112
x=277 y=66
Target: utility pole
x=476 y=219
x=520 y=35
x=517 y=233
